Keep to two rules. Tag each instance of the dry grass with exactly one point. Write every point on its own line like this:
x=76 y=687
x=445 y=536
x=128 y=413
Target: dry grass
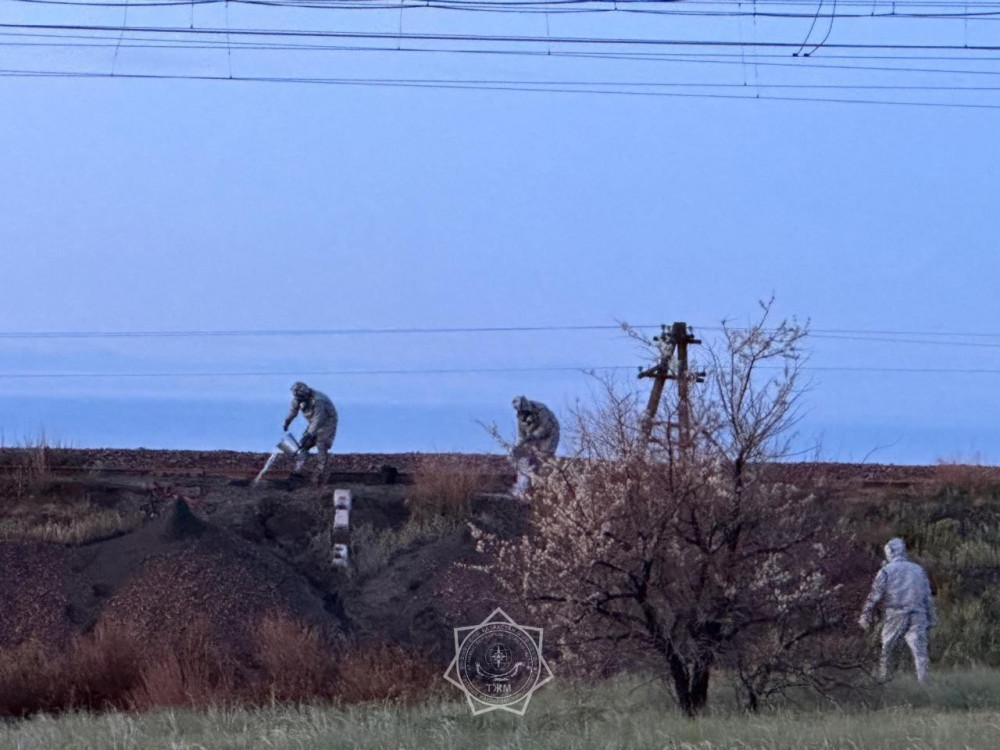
x=77 y=523
x=382 y=672
x=197 y=671
x=37 y=506
x=25 y=470
x=442 y=488
x=971 y=475
x=94 y=672
x=290 y=663
x=295 y=660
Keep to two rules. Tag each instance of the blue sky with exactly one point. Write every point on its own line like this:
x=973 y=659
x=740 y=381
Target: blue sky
x=165 y=205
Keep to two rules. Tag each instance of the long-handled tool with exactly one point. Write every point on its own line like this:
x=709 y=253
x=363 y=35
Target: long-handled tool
x=288 y=445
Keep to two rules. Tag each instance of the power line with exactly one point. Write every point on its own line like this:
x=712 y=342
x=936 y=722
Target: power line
x=583 y=369
x=908 y=341
x=852 y=334
x=868 y=333
x=507 y=83
x=715 y=58
x=914 y=370
x=305 y=332
x=499 y=38
x=260 y=39
x=968 y=334
x=666 y=8
x=458 y=84
x=297 y=373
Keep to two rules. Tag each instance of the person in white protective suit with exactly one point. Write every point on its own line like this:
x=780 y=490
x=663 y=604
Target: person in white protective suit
x=537 y=440
x=904 y=590
x=318 y=409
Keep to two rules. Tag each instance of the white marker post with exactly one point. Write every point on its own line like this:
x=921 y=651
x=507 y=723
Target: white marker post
x=340 y=555
x=342 y=503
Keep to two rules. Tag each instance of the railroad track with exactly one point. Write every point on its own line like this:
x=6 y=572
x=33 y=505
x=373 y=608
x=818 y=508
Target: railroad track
x=345 y=477
x=346 y=468
x=403 y=468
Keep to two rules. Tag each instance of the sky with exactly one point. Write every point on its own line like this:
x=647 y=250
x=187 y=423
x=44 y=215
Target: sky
x=135 y=204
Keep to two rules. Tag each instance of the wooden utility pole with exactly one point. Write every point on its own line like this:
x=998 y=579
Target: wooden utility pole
x=659 y=373
x=670 y=342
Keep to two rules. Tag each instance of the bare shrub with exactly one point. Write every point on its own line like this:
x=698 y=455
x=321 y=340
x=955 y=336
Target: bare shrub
x=383 y=672
x=26 y=470
x=97 y=671
x=103 y=666
x=26 y=683
x=290 y=663
x=442 y=488
x=198 y=671
x=296 y=665
x=970 y=475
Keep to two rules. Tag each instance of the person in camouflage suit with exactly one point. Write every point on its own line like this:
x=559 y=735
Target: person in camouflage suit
x=905 y=590
x=318 y=409
x=537 y=440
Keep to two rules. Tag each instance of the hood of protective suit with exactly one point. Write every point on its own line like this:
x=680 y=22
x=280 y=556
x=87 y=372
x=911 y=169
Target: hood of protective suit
x=522 y=404
x=301 y=390
x=895 y=549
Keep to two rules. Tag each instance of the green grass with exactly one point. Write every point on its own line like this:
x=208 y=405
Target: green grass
x=960 y=710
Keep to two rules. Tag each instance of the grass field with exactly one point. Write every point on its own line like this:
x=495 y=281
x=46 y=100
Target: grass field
x=958 y=711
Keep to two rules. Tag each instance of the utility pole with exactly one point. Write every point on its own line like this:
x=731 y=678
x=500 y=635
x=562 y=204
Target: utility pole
x=659 y=372
x=670 y=342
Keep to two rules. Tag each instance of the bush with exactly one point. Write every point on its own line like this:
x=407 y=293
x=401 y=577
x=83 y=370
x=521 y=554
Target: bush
x=382 y=672
x=295 y=662
x=96 y=672
x=442 y=488
x=290 y=663
x=970 y=476
x=25 y=471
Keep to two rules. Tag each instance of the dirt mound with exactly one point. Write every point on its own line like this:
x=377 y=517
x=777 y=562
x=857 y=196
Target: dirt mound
x=155 y=582
x=429 y=588
x=36 y=594
x=405 y=603
x=193 y=571
x=243 y=553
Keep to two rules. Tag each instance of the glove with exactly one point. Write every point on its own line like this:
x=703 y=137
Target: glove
x=288 y=423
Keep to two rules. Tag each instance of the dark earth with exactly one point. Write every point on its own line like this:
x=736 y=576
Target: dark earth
x=209 y=549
